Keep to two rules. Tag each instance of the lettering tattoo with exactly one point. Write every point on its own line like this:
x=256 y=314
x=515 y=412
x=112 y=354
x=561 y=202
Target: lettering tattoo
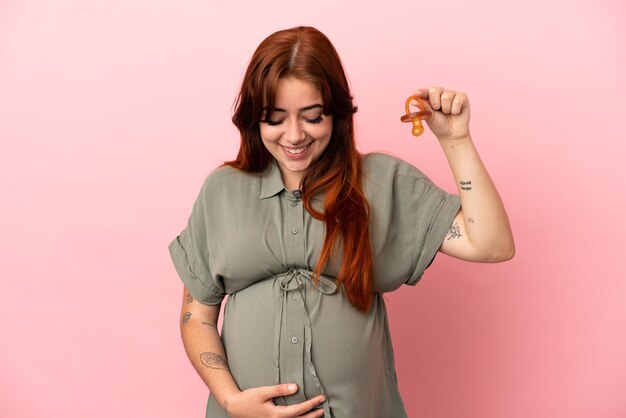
x=208 y=323
x=213 y=361
x=454 y=231
x=186 y=317
x=466 y=185
x=189 y=298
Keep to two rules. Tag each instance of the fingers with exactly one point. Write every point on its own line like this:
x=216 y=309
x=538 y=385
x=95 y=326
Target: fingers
x=303 y=408
x=446 y=100
x=439 y=98
x=421 y=93
x=268 y=392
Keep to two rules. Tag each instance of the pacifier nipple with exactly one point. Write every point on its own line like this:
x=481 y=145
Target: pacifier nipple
x=415 y=117
x=418 y=129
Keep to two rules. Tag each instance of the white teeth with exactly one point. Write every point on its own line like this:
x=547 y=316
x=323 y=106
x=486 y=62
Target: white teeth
x=296 y=151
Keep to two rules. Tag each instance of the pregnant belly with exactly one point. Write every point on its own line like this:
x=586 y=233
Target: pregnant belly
x=346 y=354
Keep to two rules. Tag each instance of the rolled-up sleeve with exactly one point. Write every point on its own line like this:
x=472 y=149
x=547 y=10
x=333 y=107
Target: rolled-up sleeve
x=411 y=216
x=190 y=254
x=435 y=211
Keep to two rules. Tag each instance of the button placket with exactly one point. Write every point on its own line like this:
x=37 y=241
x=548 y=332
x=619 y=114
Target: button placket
x=300 y=227
x=293 y=337
x=291 y=345
x=292 y=341
x=294 y=229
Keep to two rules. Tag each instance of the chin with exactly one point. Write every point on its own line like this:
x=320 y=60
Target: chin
x=297 y=167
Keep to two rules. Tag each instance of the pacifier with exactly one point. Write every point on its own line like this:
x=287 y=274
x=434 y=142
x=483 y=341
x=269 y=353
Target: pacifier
x=415 y=117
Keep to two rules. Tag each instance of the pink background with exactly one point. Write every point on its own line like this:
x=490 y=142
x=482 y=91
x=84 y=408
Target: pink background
x=112 y=113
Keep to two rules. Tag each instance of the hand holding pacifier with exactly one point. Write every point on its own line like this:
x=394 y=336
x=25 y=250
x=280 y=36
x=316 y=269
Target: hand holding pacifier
x=448 y=113
x=415 y=117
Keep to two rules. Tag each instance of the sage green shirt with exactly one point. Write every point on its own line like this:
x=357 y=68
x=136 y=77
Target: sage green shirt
x=251 y=239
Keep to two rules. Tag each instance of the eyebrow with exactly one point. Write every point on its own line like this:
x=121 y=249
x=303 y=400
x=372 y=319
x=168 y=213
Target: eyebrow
x=313 y=106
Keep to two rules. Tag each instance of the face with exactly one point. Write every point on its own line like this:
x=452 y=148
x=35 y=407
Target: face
x=297 y=132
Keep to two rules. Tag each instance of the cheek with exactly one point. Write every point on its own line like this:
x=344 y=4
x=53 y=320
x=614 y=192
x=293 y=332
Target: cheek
x=328 y=127
x=269 y=135
x=328 y=131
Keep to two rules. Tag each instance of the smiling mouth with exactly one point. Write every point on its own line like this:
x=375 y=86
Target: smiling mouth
x=296 y=151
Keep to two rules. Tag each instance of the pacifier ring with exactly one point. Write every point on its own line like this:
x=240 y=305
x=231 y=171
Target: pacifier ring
x=423 y=114
x=415 y=117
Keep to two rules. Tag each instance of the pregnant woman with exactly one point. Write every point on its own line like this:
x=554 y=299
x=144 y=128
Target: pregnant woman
x=305 y=234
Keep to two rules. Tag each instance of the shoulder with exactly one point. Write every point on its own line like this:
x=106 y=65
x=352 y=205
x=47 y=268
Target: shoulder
x=387 y=167
x=225 y=178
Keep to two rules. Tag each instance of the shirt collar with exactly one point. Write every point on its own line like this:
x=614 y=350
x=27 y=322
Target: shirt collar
x=271 y=182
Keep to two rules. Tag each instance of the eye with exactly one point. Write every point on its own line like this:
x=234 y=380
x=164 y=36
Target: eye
x=316 y=120
x=272 y=122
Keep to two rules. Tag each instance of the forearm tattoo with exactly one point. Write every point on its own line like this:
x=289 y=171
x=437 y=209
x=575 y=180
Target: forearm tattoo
x=189 y=298
x=466 y=185
x=186 y=317
x=213 y=361
x=454 y=231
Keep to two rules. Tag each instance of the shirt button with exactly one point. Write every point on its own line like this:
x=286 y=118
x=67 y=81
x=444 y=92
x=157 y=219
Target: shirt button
x=297 y=194
x=295 y=297
x=294 y=204
x=294 y=339
x=294 y=231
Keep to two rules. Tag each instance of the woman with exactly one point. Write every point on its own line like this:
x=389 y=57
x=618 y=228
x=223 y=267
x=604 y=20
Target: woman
x=305 y=234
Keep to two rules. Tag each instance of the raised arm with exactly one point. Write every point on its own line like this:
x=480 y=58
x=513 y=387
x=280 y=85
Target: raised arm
x=481 y=230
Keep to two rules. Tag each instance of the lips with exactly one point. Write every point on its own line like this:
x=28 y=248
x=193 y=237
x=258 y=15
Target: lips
x=295 y=152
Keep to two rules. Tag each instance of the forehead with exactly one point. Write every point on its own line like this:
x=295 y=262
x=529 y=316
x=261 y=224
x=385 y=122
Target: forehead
x=293 y=94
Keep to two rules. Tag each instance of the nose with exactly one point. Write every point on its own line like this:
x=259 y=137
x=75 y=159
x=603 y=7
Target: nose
x=295 y=133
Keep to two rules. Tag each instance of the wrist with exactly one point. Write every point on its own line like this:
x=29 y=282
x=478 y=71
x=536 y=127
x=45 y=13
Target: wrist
x=227 y=396
x=454 y=141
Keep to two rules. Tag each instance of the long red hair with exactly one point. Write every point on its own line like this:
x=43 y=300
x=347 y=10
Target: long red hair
x=307 y=54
